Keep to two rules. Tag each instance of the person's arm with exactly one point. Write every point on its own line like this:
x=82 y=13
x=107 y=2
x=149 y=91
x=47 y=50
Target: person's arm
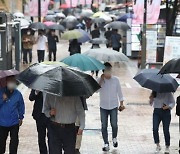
x=101 y=80
x=47 y=108
x=80 y=113
x=171 y=101
x=2 y=100
x=33 y=95
x=57 y=39
x=46 y=40
x=21 y=109
x=120 y=95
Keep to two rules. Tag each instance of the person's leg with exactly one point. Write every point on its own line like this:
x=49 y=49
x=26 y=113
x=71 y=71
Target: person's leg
x=114 y=120
x=25 y=56
x=166 y=119
x=156 y=122
x=39 y=55
x=14 y=139
x=41 y=129
x=42 y=55
x=50 y=55
x=3 y=137
x=54 y=54
x=55 y=133
x=30 y=55
x=97 y=72
x=69 y=140
x=104 y=124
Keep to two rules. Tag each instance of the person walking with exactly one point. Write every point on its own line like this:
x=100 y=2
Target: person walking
x=110 y=96
x=163 y=103
x=27 y=43
x=11 y=115
x=42 y=45
x=74 y=47
x=107 y=35
x=52 y=44
x=63 y=112
x=95 y=34
x=115 y=40
x=41 y=120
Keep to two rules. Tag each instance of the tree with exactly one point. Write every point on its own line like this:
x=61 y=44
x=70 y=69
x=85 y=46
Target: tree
x=172 y=9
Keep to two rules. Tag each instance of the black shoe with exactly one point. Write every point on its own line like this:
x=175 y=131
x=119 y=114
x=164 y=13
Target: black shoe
x=106 y=147
x=77 y=151
x=115 y=143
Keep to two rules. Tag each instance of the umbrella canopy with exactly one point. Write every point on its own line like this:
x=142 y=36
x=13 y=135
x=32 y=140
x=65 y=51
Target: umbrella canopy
x=18 y=15
x=87 y=13
x=49 y=23
x=150 y=79
x=124 y=17
x=58 y=80
x=54 y=63
x=38 y=25
x=85 y=36
x=83 y=62
x=118 y=25
x=23 y=22
x=106 y=18
x=50 y=18
x=105 y=54
x=60 y=15
x=70 y=18
x=98 y=20
x=98 y=41
x=72 y=34
x=172 y=66
x=56 y=27
x=98 y=14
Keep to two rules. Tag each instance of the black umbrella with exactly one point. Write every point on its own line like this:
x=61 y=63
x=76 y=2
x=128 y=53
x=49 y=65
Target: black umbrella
x=38 y=25
x=58 y=80
x=56 y=27
x=150 y=79
x=172 y=66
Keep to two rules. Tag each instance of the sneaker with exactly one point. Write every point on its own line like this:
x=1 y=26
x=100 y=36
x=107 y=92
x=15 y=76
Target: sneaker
x=158 y=148
x=106 y=147
x=167 y=151
x=115 y=143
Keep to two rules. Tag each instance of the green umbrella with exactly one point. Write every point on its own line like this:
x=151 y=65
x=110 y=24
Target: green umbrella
x=72 y=34
x=83 y=62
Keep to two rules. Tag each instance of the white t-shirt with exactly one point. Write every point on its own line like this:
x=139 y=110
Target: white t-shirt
x=41 y=43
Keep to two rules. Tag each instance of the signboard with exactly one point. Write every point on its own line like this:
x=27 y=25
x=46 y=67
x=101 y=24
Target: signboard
x=172 y=48
x=151 y=47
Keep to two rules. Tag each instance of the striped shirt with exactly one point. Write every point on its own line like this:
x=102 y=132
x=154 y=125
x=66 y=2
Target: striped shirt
x=67 y=109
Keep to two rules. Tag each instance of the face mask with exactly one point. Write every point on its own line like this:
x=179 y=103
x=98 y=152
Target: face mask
x=11 y=85
x=107 y=73
x=29 y=33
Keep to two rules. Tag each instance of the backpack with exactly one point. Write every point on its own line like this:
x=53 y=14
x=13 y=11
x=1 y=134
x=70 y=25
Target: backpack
x=178 y=106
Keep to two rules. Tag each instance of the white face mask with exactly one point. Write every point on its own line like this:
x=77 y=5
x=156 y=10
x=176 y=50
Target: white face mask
x=11 y=85
x=28 y=33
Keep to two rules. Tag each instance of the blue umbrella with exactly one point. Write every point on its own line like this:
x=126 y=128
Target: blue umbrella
x=85 y=36
x=150 y=79
x=83 y=62
x=124 y=17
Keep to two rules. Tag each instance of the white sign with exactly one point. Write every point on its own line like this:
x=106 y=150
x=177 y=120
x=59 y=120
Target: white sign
x=172 y=48
x=151 y=47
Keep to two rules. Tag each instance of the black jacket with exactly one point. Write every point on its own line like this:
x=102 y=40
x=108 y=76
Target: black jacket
x=38 y=104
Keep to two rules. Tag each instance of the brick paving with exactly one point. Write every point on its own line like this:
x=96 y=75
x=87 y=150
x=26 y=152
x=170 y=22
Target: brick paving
x=135 y=123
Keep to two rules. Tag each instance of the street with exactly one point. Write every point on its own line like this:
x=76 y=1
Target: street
x=135 y=122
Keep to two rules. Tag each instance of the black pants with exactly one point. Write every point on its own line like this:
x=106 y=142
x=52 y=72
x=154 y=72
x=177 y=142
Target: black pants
x=25 y=54
x=42 y=125
x=14 y=139
x=40 y=54
x=116 y=49
x=52 y=51
x=62 y=138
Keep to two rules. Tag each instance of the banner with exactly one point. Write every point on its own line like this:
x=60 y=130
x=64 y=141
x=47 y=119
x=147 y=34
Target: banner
x=85 y=2
x=151 y=47
x=153 y=11
x=172 y=48
x=33 y=7
x=72 y=3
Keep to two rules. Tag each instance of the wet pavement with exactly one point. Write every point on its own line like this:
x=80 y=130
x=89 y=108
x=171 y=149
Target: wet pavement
x=135 y=123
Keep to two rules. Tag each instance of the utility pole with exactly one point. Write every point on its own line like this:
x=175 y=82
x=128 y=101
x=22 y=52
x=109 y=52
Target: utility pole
x=39 y=10
x=143 y=48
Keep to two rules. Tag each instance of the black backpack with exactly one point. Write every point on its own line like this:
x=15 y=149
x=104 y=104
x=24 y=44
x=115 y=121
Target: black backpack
x=178 y=106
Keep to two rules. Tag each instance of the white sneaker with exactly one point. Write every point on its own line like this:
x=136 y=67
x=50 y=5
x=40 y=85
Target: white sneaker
x=167 y=151
x=158 y=148
x=106 y=147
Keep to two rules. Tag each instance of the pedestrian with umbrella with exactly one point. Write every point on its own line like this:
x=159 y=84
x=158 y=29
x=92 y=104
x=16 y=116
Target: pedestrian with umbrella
x=115 y=40
x=95 y=34
x=42 y=45
x=52 y=44
x=12 y=111
x=162 y=100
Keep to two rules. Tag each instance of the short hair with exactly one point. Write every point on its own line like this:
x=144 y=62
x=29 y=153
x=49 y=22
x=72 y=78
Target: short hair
x=108 y=65
x=95 y=26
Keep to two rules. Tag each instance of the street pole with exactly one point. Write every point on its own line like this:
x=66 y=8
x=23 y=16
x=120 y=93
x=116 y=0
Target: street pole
x=71 y=3
x=126 y=6
x=143 y=48
x=39 y=10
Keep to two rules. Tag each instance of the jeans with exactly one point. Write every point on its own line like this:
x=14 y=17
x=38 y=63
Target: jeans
x=40 y=54
x=25 y=54
x=52 y=51
x=116 y=49
x=14 y=139
x=62 y=138
x=164 y=116
x=104 y=121
x=42 y=125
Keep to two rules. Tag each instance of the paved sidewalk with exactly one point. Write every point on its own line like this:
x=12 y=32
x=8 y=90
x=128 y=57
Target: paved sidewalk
x=135 y=123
